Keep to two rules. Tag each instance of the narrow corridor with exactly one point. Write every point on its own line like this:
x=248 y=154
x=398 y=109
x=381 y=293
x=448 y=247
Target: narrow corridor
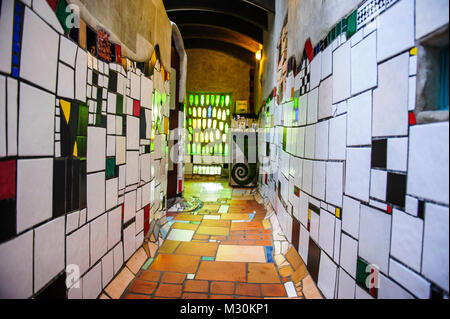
x=222 y=249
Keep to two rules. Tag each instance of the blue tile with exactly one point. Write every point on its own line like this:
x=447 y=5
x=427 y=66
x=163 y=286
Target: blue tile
x=15 y=72
x=269 y=252
x=16 y=48
x=15 y=59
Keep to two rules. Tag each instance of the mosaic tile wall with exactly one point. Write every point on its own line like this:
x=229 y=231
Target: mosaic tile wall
x=354 y=180
x=83 y=154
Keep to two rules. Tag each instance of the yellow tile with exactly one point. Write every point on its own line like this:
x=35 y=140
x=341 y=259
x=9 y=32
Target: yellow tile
x=168 y=246
x=215 y=231
x=185 y=226
x=235 y=253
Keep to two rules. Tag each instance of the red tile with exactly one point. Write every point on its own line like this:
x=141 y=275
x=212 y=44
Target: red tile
x=251 y=290
x=192 y=295
x=136 y=108
x=143 y=287
x=170 y=291
x=7 y=180
x=222 y=288
x=273 y=290
x=196 y=286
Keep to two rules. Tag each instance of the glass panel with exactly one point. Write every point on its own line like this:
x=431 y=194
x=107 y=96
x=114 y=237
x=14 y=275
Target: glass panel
x=202 y=100
x=191 y=99
x=196 y=100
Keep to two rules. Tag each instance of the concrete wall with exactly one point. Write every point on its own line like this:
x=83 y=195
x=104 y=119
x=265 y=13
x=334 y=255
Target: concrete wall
x=214 y=71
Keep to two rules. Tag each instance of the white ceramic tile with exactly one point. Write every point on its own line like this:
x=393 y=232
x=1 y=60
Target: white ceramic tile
x=430 y=16
x=346 y=287
x=95 y=195
x=83 y=217
x=49 y=249
x=435 y=245
x=129 y=242
x=92 y=282
x=77 y=249
x=364 y=65
x=132 y=168
x=121 y=151
x=390 y=290
x=12 y=87
x=110 y=146
x=310 y=141
x=325 y=109
x=338 y=138
x=107 y=268
x=68 y=51
x=300 y=141
x=307 y=176
x=341 y=73
x=407 y=236
x=303 y=243
x=130 y=206
x=39 y=57
x=335 y=183
x=319 y=175
x=17 y=264
x=147 y=89
x=326 y=232
x=6 y=25
x=390 y=99
x=75 y=291
x=409 y=279
x=112 y=188
x=114 y=227
x=399 y=17
x=378 y=184
x=313 y=104
x=96 y=149
x=112 y=101
x=72 y=222
x=412 y=205
x=314 y=226
x=397 y=154
x=81 y=75
x=362 y=294
x=413 y=65
x=3 y=135
x=359 y=120
x=132 y=133
x=316 y=71
x=34 y=192
x=98 y=238
x=327 y=62
x=303 y=109
x=135 y=86
x=65 y=81
x=425 y=180
x=327 y=276
x=322 y=133
x=337 y=241
x=412 y=93
x=349 y=254
x=290 y=289
x=139 y=221
x=43 y=9
x=375 y=237
x=36 y=122
x=358 y=173
x=118 y=257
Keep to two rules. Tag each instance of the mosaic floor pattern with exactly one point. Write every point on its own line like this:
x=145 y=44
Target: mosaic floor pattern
x=231 y=247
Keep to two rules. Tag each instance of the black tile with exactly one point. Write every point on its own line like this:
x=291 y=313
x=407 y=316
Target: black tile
x=421 y=209
x=295 y=233
x=313 y=260
x=396 y=189
x=143 y=125
x=379 y=154
x=69 y=180
x=76 y=163
x=7 y=219
x=112 y=84
x=83 y=185
x=56 y=290
x=59 y=187
x=95 y=78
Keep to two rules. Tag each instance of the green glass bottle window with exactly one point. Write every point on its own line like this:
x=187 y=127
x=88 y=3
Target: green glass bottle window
x=202 y=100
x=217 y=100
x=207 y=100
x=196 y=100
x=222 y=101
x=227 y=101
x=191 y=99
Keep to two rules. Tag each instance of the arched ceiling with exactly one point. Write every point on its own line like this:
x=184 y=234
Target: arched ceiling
x=233 y=26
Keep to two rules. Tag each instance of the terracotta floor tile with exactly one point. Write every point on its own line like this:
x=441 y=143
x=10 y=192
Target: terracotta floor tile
x=246 y=226
x=185 y=226
x=173 y=278
x=117 y=287
x=241 y=254
x=197 y=249
x=168 y=246
x=188 y=217
x=221 y=297
x=135 y=296
x=215 y=223
x=294 y=258
x=196 y=286
x=234 y=216
x=264 y=243
x=273 y=290
x=253 y=237
x=222 y=271
x=191 y=295
x=150 y=275
x=286 y=271
x=237 y=237
x=137 y=260
x=229 y=242
x=171 y=291
x=246 y=242
x=263 y=273
x=143 y=287
x=310 y=290
x=219 y=238
x=222 y=288
x=176 y=263
x=198 y=236
x=217 y=231
x=300 y=274
x=252 y=290
x=253 y=232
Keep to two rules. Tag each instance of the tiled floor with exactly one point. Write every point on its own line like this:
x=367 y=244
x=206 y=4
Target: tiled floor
x=223 y=250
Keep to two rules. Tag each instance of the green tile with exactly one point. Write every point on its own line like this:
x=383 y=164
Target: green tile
x=110 y=167
x=284 y=138
x=208 y=258
x=62 y=14
x=147 y=264
x=119 y=105
x=352 y=24
x=81 y=145
x=195 y=223
x=83 y=118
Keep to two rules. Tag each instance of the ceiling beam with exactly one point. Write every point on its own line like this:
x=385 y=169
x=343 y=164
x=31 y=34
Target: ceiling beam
x=236 y=8
x=267 y=5
x=217 y=19
x=228 y=48
x=219 y=34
